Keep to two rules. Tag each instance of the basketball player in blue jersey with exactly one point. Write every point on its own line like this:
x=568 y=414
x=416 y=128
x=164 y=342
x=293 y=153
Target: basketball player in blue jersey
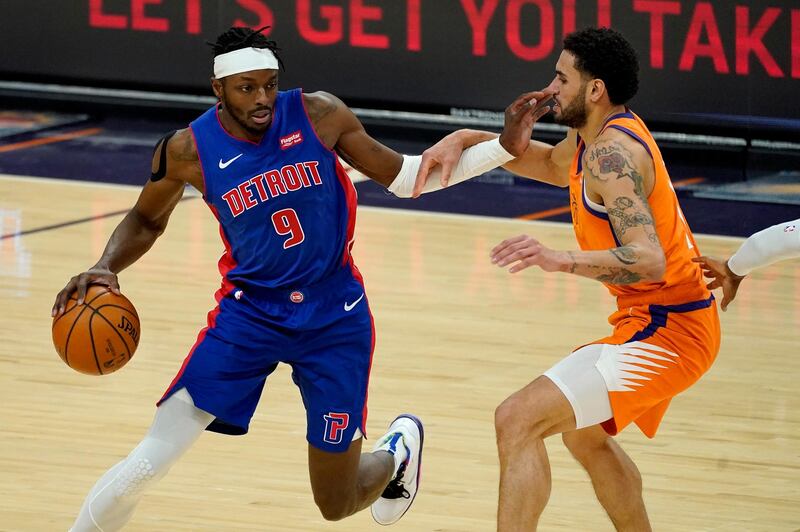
x=266 y=164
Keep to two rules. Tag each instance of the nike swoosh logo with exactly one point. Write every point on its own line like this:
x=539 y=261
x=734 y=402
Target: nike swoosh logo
x=349 y=307
x=224 y=164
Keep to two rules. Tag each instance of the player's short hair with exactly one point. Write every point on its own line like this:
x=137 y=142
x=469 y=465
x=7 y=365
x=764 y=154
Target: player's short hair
x=238 y=37
x=605 y=54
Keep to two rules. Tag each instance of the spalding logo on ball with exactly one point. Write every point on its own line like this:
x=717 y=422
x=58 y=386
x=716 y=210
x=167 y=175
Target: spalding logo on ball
x=99 y=336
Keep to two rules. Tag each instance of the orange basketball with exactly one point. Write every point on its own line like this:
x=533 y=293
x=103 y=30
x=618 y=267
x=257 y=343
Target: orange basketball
x=99 y=336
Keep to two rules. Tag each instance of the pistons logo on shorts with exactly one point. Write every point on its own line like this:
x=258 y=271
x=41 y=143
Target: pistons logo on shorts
x=296 y=297
x=335 y=425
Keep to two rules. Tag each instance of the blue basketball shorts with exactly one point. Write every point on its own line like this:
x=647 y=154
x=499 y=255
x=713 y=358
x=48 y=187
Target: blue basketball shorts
x=324 y=332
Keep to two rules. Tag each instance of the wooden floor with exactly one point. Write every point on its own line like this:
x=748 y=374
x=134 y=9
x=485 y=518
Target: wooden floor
x=455 y=336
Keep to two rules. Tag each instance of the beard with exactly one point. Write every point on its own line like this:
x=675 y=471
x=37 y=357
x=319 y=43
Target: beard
x=240 y=117
x=574 y=116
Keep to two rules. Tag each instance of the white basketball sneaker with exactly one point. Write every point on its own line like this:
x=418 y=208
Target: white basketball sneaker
x=405 y=436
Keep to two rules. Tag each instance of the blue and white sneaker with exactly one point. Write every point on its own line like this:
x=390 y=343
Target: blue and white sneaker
x=406 y=431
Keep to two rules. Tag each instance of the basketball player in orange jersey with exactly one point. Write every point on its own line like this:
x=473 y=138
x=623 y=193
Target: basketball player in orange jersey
x=266 y=163
x=778 y=242
x=634 y=239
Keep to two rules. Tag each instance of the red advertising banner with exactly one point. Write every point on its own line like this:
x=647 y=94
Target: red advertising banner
x=722 y=59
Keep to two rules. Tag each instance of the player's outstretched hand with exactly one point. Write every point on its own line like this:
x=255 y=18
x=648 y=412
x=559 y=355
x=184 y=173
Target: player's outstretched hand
x=446 y=153
x=721 y=277
x=80 y=283
x=521 y=116
x=523 y=251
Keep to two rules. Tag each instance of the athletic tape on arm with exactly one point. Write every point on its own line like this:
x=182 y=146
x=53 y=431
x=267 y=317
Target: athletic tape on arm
x=781 y=241
x=475 y=161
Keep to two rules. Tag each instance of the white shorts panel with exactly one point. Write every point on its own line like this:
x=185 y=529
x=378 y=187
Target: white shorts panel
x=581 y=382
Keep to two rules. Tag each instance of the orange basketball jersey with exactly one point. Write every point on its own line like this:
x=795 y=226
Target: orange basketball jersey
x=666 y=333
x=683 y=280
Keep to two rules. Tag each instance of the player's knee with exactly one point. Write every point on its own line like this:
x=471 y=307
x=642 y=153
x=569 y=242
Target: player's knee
x=335 y=507
x=581 y=447
x=137 y=475
x=514 y=425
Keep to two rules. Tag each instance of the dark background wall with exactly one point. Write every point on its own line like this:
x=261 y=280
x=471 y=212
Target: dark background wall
x=727 y=62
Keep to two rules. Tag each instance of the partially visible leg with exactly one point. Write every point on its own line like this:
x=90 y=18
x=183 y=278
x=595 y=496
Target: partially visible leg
x=333 y=377
x=387 y=478
x=113 y=499
x=522 y=422
x=345 y=483
x=615 y=478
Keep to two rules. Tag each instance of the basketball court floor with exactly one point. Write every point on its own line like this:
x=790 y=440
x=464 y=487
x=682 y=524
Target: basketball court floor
x=455 y=335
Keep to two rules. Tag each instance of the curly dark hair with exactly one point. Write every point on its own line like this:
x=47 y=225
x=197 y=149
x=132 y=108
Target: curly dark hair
x=605 y=54
x=237 y=38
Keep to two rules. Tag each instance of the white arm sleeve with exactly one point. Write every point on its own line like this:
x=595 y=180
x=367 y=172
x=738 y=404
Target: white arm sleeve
x=774 y=243
x=475 y=161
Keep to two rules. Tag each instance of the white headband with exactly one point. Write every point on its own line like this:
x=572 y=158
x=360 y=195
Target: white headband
x=244 y=60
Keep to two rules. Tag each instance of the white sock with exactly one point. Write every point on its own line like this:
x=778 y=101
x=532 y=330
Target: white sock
x=394 y=446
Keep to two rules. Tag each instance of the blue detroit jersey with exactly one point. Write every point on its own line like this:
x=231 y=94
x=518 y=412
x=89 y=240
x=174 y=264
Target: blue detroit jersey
x=285 y=205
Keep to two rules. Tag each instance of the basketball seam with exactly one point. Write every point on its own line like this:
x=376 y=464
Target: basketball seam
x=72 y=327
x=91 y=339
x=69 y=334
x=113 y=328
x=126 y=309
x=85 y=303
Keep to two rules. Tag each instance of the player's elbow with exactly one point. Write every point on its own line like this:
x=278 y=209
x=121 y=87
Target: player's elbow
x=154 y=226
x=656 y=266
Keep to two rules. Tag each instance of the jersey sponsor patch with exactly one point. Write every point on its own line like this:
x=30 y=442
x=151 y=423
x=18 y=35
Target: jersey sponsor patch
x=291 y=139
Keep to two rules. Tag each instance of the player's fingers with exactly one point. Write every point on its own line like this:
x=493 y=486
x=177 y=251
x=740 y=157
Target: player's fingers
x=505 y=243
x=515 y=252
x=517 y=255
x=56 y=304
x=82 y=287
x=63 y=296
x=524 y=102
x=540 y=112
x=425 y=167
x=724 y=304
x=511 y=240
x=113 y=284
x=60 y=303
x=447 y=171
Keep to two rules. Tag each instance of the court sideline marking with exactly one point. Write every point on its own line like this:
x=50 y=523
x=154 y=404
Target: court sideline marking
x=392 y=210
x=73 y=222
x=50 y=140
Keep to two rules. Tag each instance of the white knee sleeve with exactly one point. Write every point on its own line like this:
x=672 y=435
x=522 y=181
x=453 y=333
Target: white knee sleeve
x=113 y=499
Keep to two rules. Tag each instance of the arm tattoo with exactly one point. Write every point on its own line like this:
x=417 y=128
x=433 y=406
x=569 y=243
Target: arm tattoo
x=625 y=255
x=610 y=274
x=609 y=159
x=625 y=214
x=320 y=108
x=574 y=264
x=619 y=276
x=186 y=150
